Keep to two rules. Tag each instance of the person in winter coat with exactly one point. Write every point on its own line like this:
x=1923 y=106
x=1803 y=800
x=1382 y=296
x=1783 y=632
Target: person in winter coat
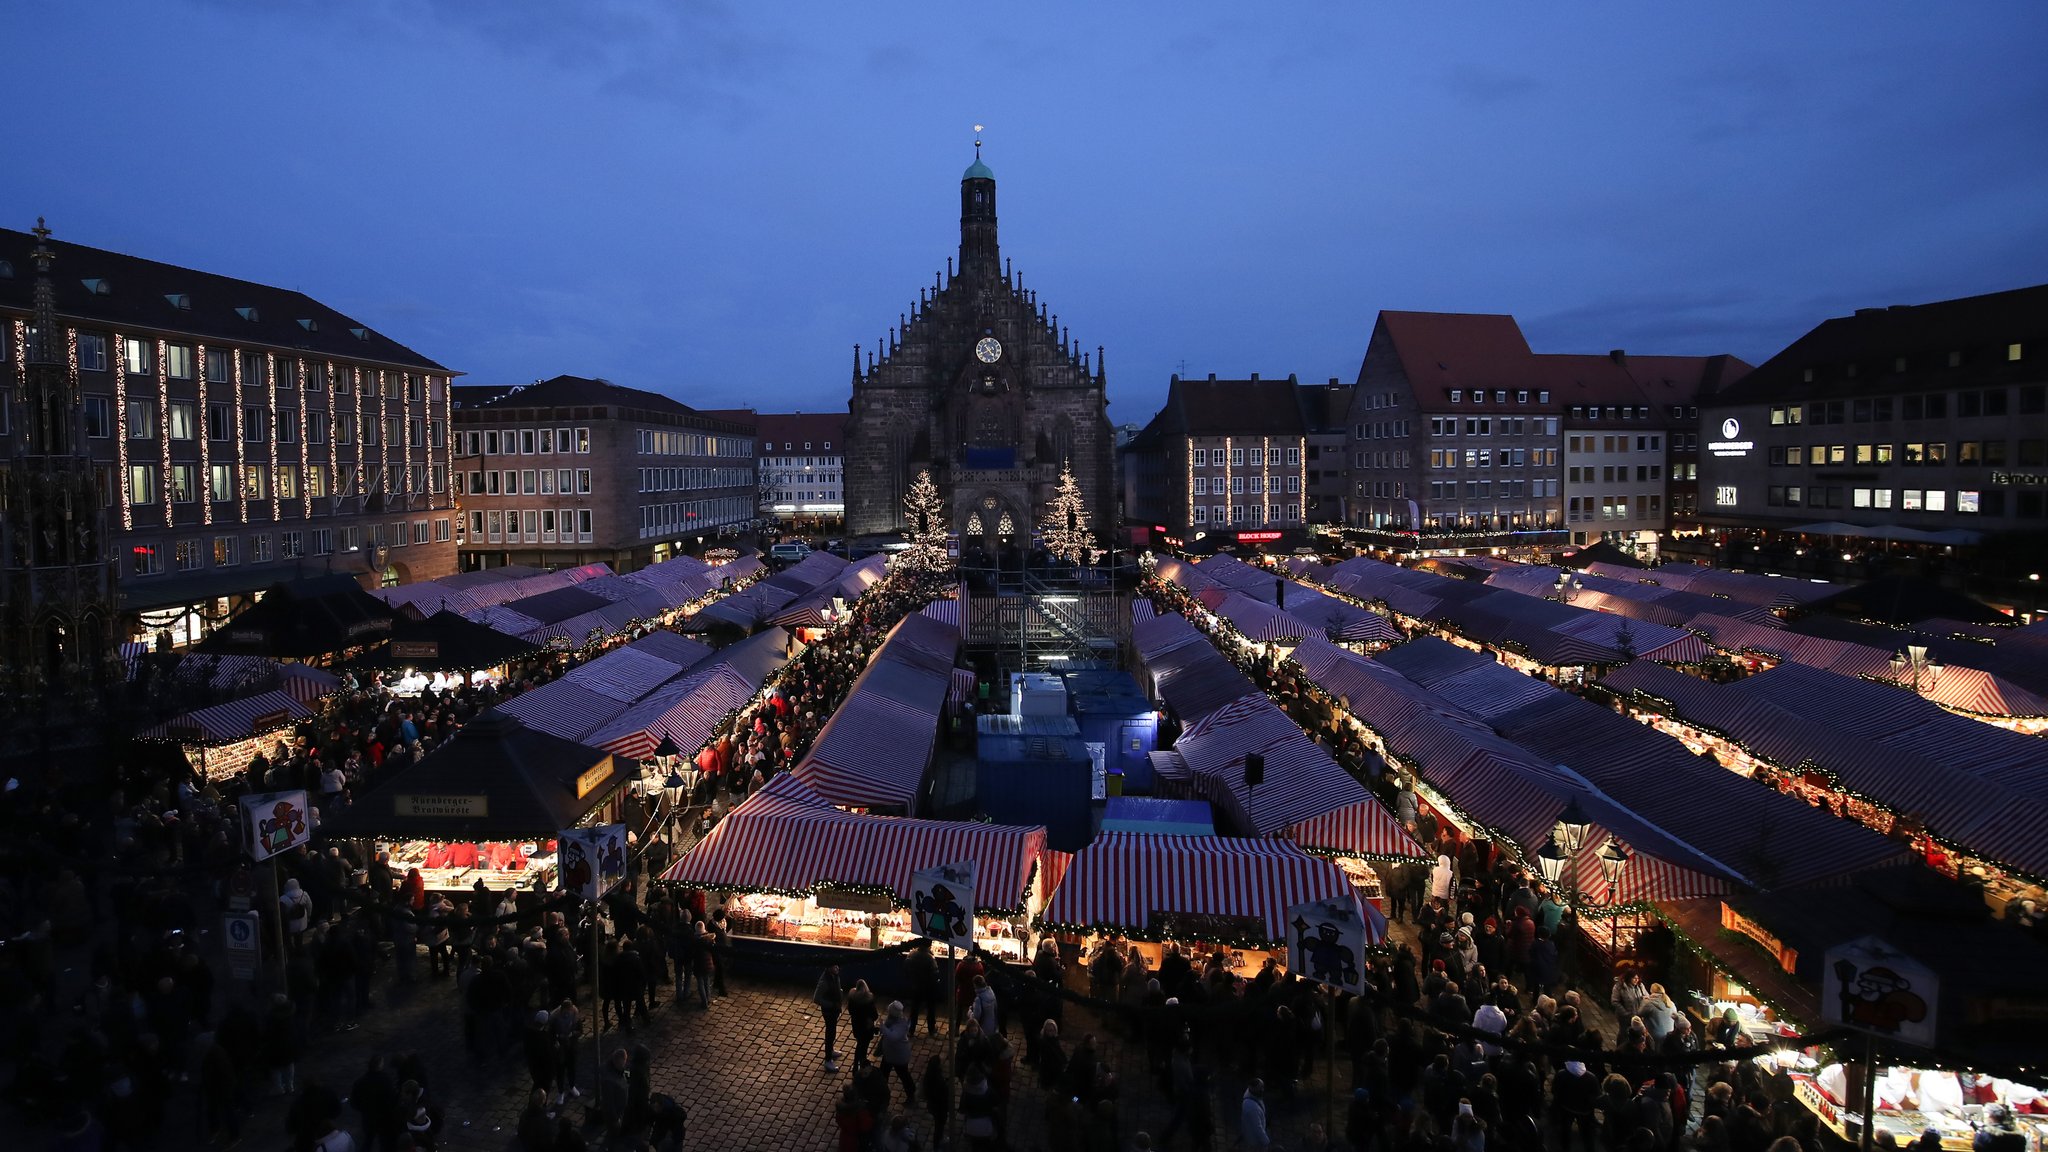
x=983 y=1008
x=543 y=1054
x=1052 y=1056
x=536 y=1124
x=830 y=997
x=1251 y=1118
x=860 y=1016
x=281 y=1045
x=614 y=1082
x=895 y=1048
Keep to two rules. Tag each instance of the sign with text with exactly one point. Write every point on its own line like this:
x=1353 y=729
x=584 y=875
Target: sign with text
x=275 y=822
x=1257 y=537
x=588 y=781
x=415 y=649
x=1786 y=956
x=591 y=860
x=1873 y=987
x=457 y=807
x=1326 y=942
x=942 y=903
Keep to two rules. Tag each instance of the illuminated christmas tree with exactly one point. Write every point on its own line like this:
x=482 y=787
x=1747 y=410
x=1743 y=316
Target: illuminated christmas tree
x=926 y=513
x=1065 y=527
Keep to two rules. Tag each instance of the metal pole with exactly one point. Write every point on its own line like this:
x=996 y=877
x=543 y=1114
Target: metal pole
x=952 y=1014
x=596 y=1001
x=277 y=924
x=1330 y=1096
x=1868 y=1136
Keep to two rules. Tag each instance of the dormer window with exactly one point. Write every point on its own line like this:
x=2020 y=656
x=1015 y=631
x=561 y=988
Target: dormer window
x=248 y=314
x=6 y=270
x=1522 y=396
x=358 y=333
x=310 y=325
x=1457 y=395
x=98 y=287
x=179 y=300
x=1500 y=396
x=1543 y=397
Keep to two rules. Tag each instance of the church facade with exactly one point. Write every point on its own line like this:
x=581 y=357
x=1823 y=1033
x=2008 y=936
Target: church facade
x=980 y=384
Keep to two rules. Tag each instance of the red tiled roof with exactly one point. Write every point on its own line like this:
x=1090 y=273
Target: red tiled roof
x=1444 y=350
x=785 y=432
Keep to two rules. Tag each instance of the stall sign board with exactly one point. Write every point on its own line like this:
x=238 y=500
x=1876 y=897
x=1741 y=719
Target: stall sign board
x=1326 y=943
x=1870 y=986
x=1786 y=956
x=1211 y=926
x=275 y=823
x=415 y=649
x=592 y=777
x=591 y=860
x=443 y=807
x=276 y=718
x=876 y=902
x=1257 y=537
x=243 y=940
x=942 y=903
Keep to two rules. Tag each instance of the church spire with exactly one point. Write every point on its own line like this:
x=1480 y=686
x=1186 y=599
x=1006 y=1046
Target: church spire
x=979 y=255
x=48 y=342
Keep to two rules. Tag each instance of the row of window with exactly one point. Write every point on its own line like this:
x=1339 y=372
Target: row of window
x=1445 y=426
x=1242 y=457
x=799 y=461
x=1652 y=443
x=525 y=482
x=1441 y=458
x=228 y=482
x=1243 y=484
x=692 y=515
x=1500 y=396
x=255 y=425
x=1615 y=473
x=139 y=358
x=530 y=526
x=1483 y=489
x=1386 y=458
x=1969 y=501
x=1245 y=514
x=804 y=494
x=768 y=446
x=1610 y=412
x=524 y=442
x=1970 y=403
x=692 y=479
x=194 y=553
x=2013 y=353
x=1969 y=453
x=1578 y=509
x=658 y=443
x=1385 y=429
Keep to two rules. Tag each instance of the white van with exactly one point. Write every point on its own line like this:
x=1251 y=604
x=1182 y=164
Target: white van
x=789 y=551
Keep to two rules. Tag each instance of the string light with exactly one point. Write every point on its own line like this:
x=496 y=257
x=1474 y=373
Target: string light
x=331 y=489
x=120 y=425
x=241 y=444
x=205 y=433
x=163 y=428
x=270 y=381
x=305 y=449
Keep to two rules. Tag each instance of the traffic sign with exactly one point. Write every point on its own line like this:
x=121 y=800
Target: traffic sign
x=244 y=941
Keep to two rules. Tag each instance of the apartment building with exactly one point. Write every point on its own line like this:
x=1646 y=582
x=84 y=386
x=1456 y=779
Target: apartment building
x=802 y=467
x=573 y=471
x=1223 y=456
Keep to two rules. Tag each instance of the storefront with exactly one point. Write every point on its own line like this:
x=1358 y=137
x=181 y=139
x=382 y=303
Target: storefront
x=793 y=869
x=1362 y=839
x=442 y=652
x=1212 y=894
x=220 y=741
x=482 y=810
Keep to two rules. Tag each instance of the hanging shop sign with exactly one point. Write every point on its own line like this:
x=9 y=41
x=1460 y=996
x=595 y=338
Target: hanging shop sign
x=591 y=860
x=942 y=903
x=441 y=807
x=1786 y=956
x=275 y=822
x=1873 y=987
x=1326 y=943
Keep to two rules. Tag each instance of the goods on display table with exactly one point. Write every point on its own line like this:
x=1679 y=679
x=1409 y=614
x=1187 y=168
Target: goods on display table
x=856 y=920
x=1364 y=878
x=1910 y=1101
x=459 y=866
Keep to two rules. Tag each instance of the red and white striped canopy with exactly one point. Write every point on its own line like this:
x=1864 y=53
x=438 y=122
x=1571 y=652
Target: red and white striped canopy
x=687 y=712
x=1301 y=779
x=787 y=838
x=873 y=753
x=1124 y=881
x=1364 y=828
x=234 y=720
x=305 y=683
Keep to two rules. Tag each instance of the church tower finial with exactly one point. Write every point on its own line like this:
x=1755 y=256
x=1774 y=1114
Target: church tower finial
x=979 y=257
x=45 y=348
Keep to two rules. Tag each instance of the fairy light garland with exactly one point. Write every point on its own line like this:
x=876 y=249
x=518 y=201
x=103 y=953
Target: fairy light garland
x=405 y=438
x=332 y=488
x=127 y=489
x=241 y=444
x=163 y=428
x=270 y=382
x=361 y=485
x=305 y=449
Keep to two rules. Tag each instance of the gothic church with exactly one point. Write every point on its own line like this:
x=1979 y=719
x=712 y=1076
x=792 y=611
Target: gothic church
x=980 y=384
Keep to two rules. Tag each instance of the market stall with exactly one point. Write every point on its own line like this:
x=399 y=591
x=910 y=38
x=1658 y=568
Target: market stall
x=221 y=740
x=1209 y=891
x=795 y=869
x=1361 y=838
x=482 y=810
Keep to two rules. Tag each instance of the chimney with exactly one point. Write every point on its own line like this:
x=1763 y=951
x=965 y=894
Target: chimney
x=1255 y=377
x=1618 y=355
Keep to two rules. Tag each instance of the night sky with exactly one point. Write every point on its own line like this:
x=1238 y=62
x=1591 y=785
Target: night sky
x=718 y=201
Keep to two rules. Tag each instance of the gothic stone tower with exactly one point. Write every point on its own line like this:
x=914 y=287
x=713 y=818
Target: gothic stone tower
x=57 y=584
x=979 y=383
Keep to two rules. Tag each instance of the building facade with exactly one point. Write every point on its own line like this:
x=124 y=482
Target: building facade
x=1223 y=456
x=1929 y=418
x=238 y=434
x=980 y=384
x=802 y=467
x=1631 y=442
x=1454 y=430
x=573 y=471
x=1325 y=416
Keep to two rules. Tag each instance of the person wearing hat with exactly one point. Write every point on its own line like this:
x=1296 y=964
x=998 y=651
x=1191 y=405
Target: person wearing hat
x=1998 y=1133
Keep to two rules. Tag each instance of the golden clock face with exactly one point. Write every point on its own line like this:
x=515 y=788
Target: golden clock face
x=988 y=350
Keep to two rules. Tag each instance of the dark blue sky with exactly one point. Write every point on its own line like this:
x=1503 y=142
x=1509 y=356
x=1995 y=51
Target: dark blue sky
x=717 y=201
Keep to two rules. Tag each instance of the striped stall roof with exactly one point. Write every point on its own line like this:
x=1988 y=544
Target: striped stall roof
x=305 y=683
x=961 y=688
x=1195 y=680
x=1260 y=621
x=559 y=708
x=673 y=647
x=1134 y=882
x=1331 y=616
x=1361 y=828
x=1301 y=778
x=872 y=754
x=503 y=619
x=1231 y=572
x=788 y=838
x=624 y=674
x=687 y=712
x=232 y=721
x=1974 y=690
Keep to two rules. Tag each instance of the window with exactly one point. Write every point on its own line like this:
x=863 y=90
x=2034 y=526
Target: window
x=137 y=355
x=583 y=481
x=1970 y=502
x=1457 y=395
x=316 y=480
x=254 y=477
x=527 y=442
x=1237 y=457
x=1254 y=458
x=99 y=417
x=184 y=419
x=178 y=361
x=147 y=560
x=441 y=529
x=291 y=545
x=583 y=524
x=227 y=550
x=345 y=428
x=527 y=483
x=141 y=484
x=1910 y=499
x=188 y=555
x=220 y=422
x=420 y=532
x=1201 y=514
x=254 y=422
x=184 y=483
x=1201 y=486
x=2013 y=351
x=141 y=420
x=583 y=441
x=222 y=481
x=1237 y=485
x=547 y=441
x=287 y=482
x=323 y=541
x=92 y=352
x=1937 y=500
x=287 y=425
x=259 y=548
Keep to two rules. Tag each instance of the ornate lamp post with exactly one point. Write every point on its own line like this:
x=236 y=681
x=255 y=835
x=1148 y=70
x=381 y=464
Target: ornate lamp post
x=1915 y=661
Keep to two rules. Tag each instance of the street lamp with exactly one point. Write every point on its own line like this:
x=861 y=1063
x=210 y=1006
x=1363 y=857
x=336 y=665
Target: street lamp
x=1614 y=862
x=1550 y=860
x=1916 y=660
x=1568 y=587
x=1572 y=825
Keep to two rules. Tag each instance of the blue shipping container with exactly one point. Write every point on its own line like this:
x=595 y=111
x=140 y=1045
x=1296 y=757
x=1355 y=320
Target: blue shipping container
x=1038 y=780
x=1109 y=709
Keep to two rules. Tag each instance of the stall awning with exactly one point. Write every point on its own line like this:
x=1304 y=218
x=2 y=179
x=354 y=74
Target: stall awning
x=1261 y=622
x=1194 y=887
x=1301 y=780
x=314 y=616
x=559 y=708
x=787 y=838
x=623 y=674
x=445 y=641
x=687 y=711
x=1362 y=828
x=232 y=721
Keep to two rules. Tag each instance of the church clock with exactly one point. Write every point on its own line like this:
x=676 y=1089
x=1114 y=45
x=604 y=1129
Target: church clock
x=988 y=350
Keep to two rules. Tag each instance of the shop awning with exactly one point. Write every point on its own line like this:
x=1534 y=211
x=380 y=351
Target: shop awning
x=625 y=674
x=1261 y=622
x=495 y=779
x=232 y=721
x=1361 y=828
x=561 y=709
x=786 y=838
x=876 y=748
x=687 y=712
x=314 y=616
x=1194 y=888
x=673 y=647
x=445 y=641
